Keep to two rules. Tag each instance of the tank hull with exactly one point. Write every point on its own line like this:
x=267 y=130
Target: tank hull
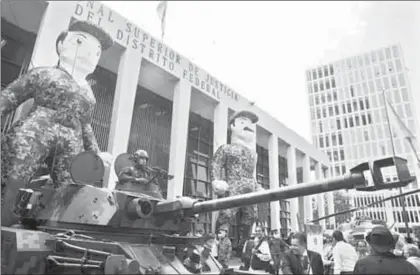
x=25 y=252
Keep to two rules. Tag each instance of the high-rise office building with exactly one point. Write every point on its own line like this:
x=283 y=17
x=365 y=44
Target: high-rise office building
x=349 y=121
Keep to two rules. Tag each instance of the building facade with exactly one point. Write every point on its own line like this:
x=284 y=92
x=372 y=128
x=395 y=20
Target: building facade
x=151 y=97
x=349 y=121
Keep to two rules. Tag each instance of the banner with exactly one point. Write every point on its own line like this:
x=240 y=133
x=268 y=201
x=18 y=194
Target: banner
x=314 y=237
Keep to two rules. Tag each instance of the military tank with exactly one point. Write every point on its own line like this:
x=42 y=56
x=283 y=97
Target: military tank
x=82 y=228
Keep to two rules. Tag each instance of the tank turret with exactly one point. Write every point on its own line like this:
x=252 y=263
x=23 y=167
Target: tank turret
x=124 y=231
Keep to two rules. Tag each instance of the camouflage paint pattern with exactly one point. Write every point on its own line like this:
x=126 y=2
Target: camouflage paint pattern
x=224 y=251
x=58 y=125
x=23 y=251
x=238 y=163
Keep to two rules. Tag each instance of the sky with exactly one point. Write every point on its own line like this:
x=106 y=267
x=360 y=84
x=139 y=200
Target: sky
x=262 y=49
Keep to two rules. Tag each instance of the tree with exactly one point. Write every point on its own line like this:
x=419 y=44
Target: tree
x=416 y=231
x=342 y=203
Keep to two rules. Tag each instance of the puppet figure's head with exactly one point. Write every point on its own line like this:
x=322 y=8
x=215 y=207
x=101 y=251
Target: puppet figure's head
x=243 y=126
x=82 y=45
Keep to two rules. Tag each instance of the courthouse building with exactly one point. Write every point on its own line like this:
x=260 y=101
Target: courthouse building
x=150 y=97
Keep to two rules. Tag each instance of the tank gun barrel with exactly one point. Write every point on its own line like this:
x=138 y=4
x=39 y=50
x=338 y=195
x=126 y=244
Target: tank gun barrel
x=354 y=179
x=348 y=181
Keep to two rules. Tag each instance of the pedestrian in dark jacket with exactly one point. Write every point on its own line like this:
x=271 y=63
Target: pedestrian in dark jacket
x=382 y=260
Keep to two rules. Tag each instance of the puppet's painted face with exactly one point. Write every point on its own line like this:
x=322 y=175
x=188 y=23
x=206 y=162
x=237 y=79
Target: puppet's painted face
x=243 y=129
x=81 y=49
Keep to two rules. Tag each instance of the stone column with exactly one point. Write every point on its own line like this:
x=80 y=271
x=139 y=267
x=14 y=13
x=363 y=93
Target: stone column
x=122 y=109
x=273 y=163
x=307 y=200
x=220 y=130
x=320 y=197
x=179 y=138
x=292 y=180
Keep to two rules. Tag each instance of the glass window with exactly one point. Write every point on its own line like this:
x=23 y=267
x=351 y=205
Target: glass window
x=369 y=73
x=367 y=59
x=362 y=153
x=314 y=74
x=332 y=82
x=390 y=67
x=398 y=65
x=362 y=107
x=397 y=96
x=355 y=152
x=321 y=85
x=379 y=130
x=331 y=70
x=404 y=94
x=374 y=101
x=377 y=71
x=379 y=84
x=372 y=133
x=337 y=110
x=395 y=52
x=400 y=110
x=393 y=81
x=355 y=106
x=340 y=138
x=383 y=69
x=366 y=135
x=408 y=110
x=371 y=87
x=331 y=111
x=325 y=71
x=315 y=87
x=386 y=83
x=373 y=57
x=401 y=79
x=381 y=55
x=374 y=150
x=388 y=53
x=335 y=155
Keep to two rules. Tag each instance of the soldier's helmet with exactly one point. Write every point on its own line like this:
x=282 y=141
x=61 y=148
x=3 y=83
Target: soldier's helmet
x=141 y=154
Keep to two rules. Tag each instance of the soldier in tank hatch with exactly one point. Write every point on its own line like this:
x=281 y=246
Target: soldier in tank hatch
x=141 y=174
x=238 y=162
x=59 y=123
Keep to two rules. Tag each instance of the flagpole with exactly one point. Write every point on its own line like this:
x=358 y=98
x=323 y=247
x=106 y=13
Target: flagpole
x=402 y=198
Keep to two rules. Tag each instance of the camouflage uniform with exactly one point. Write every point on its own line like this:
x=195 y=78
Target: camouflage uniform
x=58 y=125
x=224 y=251
x=238 y=162
x=140 y=172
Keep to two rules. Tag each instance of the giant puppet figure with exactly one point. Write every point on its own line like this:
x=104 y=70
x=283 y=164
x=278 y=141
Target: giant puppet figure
x=233 y=166
x=58 y=126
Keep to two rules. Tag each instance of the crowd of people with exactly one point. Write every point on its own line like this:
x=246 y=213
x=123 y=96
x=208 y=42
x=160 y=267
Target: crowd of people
x=274 y=255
